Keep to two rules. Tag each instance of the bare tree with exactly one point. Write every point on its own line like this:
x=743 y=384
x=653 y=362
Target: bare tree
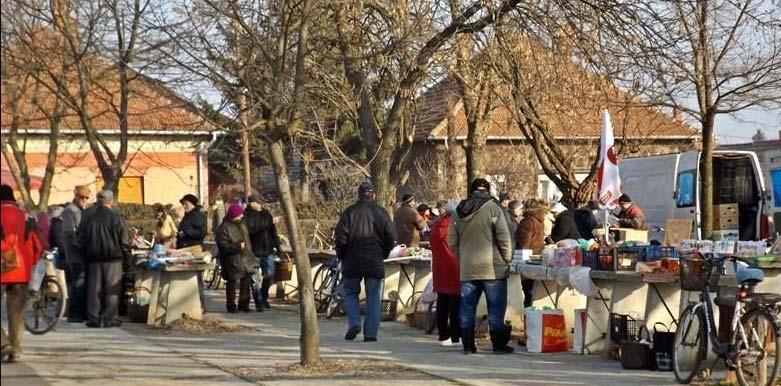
x=259 y=55
x=386 y=52
x=711 y=57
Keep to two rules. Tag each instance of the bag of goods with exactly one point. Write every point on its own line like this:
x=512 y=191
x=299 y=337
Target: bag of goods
x=579 y=342
x=398 y=251
x=545 y=330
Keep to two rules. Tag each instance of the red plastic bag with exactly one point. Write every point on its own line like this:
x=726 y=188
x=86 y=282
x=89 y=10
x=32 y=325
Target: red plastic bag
x=546 y=330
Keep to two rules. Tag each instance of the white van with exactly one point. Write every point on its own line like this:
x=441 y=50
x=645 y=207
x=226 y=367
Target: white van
x=667 y=186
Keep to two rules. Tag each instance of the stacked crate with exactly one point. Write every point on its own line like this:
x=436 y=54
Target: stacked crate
x=726 y=222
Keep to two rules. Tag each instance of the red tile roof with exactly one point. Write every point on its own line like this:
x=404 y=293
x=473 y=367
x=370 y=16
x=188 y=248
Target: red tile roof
x=572 y=109
x=152 y=108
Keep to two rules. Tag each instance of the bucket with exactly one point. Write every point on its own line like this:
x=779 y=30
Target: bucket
x=283 y=270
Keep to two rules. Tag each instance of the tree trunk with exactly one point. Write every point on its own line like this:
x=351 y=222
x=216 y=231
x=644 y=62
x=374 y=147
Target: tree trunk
x=381 y=178
x=475 y=165
x=310 y=335
x=706 y=169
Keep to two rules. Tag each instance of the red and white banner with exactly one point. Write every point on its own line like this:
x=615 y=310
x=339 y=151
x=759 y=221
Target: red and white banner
x=608 y=180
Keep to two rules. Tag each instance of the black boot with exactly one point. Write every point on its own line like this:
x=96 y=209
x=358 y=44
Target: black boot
x=499 y=340
x=468 y=339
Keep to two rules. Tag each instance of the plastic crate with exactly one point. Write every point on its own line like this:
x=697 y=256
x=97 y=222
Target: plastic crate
x=624 y=328
x=656 y=252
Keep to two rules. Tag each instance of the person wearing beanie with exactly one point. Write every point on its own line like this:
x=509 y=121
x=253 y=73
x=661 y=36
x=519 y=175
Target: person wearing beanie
x=446 y=279
x=481 y=240
x=265 y=244
x=364 y=238
x=18 y=232
x=409 y=223
x=631 y=216
x=76 y=268
x=105 y=245
x=192 y=232
x=235 y=254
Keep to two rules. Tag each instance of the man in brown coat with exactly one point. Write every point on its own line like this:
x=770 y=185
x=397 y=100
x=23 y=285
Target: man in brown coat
x=408 y=222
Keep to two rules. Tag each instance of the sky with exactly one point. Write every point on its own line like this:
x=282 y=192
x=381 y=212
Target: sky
x=740 y=129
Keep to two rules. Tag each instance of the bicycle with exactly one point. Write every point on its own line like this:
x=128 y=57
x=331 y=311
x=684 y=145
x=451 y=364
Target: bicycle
x=46 y=302
x=319 y=240
x=747 y=349
x=329 y=292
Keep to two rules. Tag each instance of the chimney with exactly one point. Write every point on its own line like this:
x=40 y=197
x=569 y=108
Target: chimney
x=759 y=136
x=677 y=114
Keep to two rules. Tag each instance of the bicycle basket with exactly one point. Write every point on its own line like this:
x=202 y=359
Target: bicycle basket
x=693 y=274
x=624 y=328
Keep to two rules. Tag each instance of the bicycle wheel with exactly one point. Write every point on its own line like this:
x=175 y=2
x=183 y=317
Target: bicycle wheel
x=689 y=345
x=45 y=308
x=430 y=320
x=759 y=359
x=335 y=300
x=323 y=290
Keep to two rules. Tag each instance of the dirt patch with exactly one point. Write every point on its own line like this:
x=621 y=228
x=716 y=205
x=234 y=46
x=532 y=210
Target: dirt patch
x=207 y=325
x=328 y=368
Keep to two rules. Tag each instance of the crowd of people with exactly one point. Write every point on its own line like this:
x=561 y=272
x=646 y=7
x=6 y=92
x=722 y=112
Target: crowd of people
x=471 y=243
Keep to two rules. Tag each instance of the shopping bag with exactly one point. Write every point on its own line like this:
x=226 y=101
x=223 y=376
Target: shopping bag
x=545 y=330
x=428 y=296
x=579 y=342
x=37 y=275
x=11 y=258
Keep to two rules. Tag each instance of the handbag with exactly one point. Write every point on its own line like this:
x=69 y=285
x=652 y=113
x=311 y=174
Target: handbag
x=663 y=344
x=9 y=253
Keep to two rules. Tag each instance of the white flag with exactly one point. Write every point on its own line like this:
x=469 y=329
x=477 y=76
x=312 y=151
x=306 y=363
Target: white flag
x=608 y=180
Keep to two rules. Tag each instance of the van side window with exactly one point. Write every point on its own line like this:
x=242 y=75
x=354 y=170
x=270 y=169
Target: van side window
x=685 y=189
x=776 y=176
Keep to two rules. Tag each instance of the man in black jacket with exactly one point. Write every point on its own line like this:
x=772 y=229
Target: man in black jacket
x=192 y=231
x=364 y=238
x=104 y=243
x=564 y=227
x=265 y=243
x=586 y=220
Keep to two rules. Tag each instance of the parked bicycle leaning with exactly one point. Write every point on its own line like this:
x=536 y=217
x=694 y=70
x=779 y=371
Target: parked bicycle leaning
x=364 y=237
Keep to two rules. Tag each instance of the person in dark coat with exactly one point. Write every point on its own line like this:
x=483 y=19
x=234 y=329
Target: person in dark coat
x=531 y=235
x=586 y=220
x=192 y=231
x=235 y=254
x=445 y=273
x=76 y=269
x=409 y=223
x=564 y=227
x=105 y=245
x=364 y=237
x=265 y=244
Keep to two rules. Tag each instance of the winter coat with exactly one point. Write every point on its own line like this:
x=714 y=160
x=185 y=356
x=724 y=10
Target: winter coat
x=364 y=238
x=235 y=260
x=192 y=229
x=262 y=231
x=103 y=236
x=409 y=223
x=480 y=239
x=564 y=228
x=531 y=231
x=586 y=222
x=512 y=225
x=445 y=270
x=71 y=219
x=19 y=230
x=632 y=218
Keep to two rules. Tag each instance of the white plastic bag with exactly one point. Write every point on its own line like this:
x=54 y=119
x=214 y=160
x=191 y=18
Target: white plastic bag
x=37 y=275
x=398 y=251
x=580 y=279
x=545 y=330
x=428 y=296
x=579 y=341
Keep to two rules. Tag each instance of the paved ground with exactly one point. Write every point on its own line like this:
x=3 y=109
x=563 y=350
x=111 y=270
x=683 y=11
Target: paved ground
x=134 y=355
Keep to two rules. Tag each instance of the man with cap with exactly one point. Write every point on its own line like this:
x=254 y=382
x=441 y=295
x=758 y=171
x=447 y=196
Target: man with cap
x=364 y=238
x=409 y=223
x=265 y=243
x=105 y=244
x=192 y=231
x=631 y=216
x=76 y=268
x=564 y=227
x=481 y=241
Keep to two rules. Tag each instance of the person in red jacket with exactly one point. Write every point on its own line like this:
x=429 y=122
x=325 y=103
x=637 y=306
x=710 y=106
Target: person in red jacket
x=446 y=276
x=20 y=234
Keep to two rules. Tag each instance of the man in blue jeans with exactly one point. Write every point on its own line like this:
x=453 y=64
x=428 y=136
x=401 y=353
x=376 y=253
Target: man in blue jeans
x=364 y=238
x=480 y=238
x=265 y=242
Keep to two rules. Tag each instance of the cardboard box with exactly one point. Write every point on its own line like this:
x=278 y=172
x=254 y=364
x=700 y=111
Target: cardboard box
x=628 y=234
x=726 y=217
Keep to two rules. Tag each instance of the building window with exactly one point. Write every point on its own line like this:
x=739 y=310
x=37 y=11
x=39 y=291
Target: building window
x=131 y=189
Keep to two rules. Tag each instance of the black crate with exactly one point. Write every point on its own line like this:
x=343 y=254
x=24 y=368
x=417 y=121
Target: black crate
x=624 y=328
